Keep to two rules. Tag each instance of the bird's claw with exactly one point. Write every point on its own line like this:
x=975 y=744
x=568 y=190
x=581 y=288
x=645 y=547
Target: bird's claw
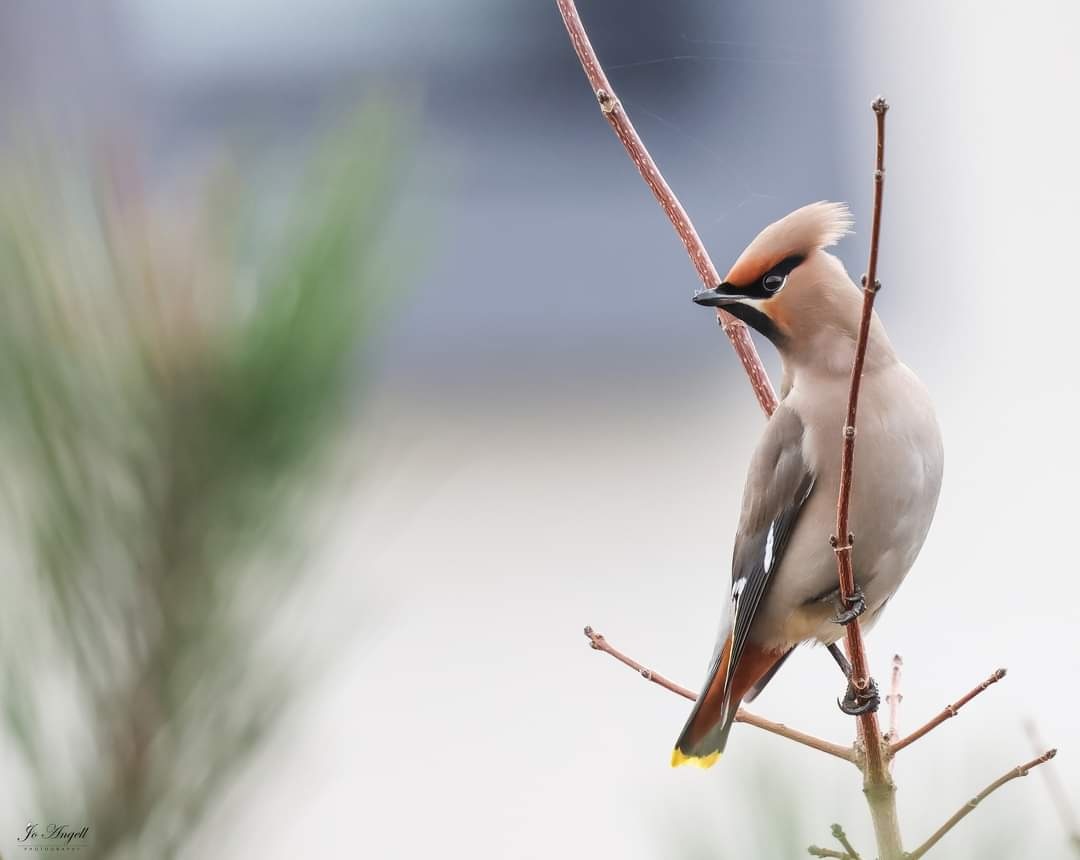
x=857 y=608
x=858 y=702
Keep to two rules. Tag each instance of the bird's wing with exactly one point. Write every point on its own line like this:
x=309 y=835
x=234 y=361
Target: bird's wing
x=777 y=486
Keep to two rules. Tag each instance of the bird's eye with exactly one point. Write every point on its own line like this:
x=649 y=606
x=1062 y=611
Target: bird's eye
x=772 y=283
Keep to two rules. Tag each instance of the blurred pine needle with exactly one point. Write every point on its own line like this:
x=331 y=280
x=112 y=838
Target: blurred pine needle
x=169 y=402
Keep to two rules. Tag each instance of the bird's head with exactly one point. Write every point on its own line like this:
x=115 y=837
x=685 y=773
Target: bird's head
x=787 y=286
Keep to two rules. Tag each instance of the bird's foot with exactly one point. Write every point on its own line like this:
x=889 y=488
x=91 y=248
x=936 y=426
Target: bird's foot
x=857 y=608
x=858 y=702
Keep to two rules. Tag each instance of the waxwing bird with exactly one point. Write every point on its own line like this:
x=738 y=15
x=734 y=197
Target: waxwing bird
x=784 y=587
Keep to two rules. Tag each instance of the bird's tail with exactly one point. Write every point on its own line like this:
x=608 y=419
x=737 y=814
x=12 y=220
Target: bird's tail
x=705 y=734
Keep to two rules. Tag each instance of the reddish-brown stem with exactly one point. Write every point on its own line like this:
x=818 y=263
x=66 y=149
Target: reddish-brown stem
x=969 y=807
x=598 y=642
x=878 y=785
x=617 y=118
x=948 y=713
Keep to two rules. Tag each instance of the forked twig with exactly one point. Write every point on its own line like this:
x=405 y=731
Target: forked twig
x=969 y=807
x=617 y=118
x=948 y=713
x=598 y=642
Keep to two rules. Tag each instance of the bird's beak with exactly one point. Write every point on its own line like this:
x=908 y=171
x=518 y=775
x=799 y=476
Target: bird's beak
x=725 y=294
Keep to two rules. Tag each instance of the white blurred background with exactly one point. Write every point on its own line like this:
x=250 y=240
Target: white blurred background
x=558 y=437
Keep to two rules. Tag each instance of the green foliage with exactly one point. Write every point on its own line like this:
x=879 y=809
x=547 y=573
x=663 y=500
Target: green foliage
x=168 y=407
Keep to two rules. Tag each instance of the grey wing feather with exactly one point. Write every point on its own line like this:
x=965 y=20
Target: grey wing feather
x=777 y=486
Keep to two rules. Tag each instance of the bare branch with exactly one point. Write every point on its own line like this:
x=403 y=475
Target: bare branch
x=845 y=753
x=1057 y=791
x=894 y=698
x=949 y=712
x=815 y=851
x=842 y=541
x=840 y=836
x=598 y=642
x=969 y=807
x=877 y=784
x=616 y=115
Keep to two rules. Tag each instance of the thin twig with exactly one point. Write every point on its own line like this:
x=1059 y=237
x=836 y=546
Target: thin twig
x=842 y=540
x=815 y=851
x=1057 y=791
x=616 y=115
x=969 y=807
x=744 y=716
x=894 y=698
x=877 y=784
x=949 y=712
x=840 y=836
x=598 y=642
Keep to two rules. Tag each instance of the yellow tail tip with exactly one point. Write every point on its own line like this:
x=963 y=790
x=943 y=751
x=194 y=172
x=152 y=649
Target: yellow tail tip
x=679 y=758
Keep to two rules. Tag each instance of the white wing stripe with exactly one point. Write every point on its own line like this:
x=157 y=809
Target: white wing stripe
x=769 y=546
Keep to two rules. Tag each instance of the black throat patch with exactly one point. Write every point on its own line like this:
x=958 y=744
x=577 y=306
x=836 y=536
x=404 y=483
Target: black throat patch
x=750 y=315
x=756 y=320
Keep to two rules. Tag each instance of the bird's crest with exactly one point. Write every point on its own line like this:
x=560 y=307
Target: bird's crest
x=805 y=230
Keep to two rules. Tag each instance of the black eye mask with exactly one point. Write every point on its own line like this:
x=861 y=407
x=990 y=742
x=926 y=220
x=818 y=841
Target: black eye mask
x=767 y=286
x=771 y=282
